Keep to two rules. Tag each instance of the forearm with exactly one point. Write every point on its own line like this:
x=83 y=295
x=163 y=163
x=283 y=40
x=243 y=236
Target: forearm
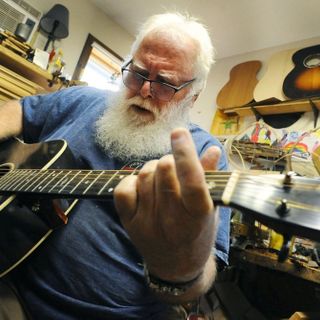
x=197 y=263
x=10 y=119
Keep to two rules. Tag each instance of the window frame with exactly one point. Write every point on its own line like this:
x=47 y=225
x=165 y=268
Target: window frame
x=85 y=55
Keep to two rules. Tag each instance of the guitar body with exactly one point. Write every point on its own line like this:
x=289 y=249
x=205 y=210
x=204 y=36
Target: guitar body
x=270 y=85
x=238 y=91
x=25 y=222
x=304 y=80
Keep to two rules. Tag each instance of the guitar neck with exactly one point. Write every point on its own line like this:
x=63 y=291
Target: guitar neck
x=97 y=184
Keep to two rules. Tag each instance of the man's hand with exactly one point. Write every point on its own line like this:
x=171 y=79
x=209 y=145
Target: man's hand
x=168 y=212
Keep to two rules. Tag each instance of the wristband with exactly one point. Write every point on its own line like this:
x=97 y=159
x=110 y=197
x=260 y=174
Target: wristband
x=158 y=285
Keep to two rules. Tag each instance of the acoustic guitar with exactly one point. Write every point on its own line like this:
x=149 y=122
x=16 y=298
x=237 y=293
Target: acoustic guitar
x=270 y=85
x=238 y=91
x=31 y=180
x=304 y=80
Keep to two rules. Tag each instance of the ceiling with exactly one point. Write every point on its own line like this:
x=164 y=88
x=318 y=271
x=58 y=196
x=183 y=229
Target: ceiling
x=236 y=26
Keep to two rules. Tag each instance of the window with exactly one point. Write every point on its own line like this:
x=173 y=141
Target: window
x=98 y=65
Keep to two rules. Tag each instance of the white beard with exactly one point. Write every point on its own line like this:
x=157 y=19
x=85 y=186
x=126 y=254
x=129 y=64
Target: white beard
x=126 y=135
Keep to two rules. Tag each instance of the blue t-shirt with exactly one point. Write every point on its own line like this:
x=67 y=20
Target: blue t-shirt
x=89 y=268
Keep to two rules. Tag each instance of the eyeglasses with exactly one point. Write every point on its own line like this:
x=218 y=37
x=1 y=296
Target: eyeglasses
x=161 y=90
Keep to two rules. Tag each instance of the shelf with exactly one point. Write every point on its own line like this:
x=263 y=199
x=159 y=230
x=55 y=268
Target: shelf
x=25 y=68
x=276 y=108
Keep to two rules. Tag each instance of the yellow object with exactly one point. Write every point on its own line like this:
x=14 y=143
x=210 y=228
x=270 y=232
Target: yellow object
x=57 y=63
x=276 y=240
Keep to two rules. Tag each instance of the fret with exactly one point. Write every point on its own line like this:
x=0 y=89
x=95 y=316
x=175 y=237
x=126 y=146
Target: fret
x=67 y=184
x=24 y=178
x=11 y=179
x=93 y=182
x=44 y=182
x=8 y=179
x=111 y=189
x=41 y=174
x=66 y=177
x=30 y=180
x=81 y=182
x=99 y=182
x=84 y=182
x=115 y=180
x=53 y=174
x=216 y=182
x=57 y=184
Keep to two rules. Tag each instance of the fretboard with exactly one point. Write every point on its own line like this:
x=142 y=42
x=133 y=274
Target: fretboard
x=97 y=184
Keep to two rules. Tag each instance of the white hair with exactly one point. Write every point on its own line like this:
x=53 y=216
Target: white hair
x=177 y=24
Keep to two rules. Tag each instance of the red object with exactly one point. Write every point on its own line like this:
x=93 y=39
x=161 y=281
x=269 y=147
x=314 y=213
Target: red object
x=51 y=54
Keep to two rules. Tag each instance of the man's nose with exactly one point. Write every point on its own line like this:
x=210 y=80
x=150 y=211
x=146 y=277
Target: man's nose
x=145 y=90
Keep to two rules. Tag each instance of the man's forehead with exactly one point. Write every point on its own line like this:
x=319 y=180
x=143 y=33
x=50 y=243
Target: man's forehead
x=169 y=52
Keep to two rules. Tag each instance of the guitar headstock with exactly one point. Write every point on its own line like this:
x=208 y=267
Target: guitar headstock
x=286 y=203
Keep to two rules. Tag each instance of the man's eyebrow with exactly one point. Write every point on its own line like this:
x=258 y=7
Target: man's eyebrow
x=163 y=76
x=167 y=77
x=139 y=67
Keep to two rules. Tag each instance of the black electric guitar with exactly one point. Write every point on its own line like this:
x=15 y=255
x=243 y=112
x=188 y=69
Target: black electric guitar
x=31 y=179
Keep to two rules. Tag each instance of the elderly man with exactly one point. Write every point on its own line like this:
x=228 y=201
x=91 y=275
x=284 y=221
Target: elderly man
x=160 y=242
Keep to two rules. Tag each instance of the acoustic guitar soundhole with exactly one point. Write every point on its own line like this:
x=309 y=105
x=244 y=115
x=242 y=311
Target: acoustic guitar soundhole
x=312 y=61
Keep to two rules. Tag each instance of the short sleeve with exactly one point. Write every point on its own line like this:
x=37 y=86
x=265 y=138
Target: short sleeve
x=43 y=114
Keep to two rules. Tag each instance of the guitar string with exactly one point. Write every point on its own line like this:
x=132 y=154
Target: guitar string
x=210 y=177
x=76 y=170
x=43 y=174
x=217 y=192
x=214 y=175
x=106 y=173
x=98 y=171
x=248 y=197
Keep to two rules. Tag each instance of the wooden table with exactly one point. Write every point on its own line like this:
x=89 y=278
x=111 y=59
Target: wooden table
x=267 y=259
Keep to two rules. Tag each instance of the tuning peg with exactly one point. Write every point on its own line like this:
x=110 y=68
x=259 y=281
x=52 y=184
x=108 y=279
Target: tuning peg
x=282 y=209
x=287 y=181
